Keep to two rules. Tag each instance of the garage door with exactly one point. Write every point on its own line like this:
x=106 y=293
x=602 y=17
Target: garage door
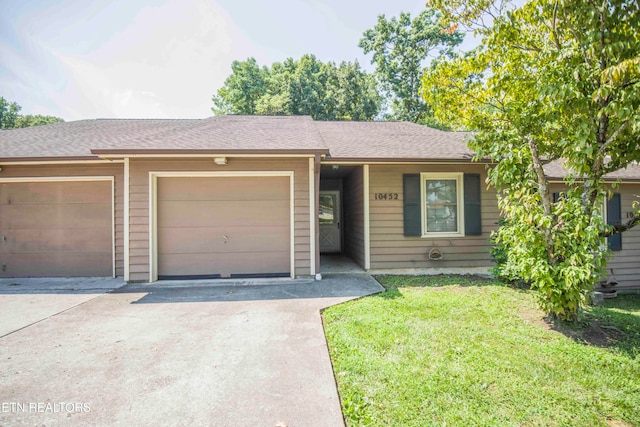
x=60 y=228
x=223 y=227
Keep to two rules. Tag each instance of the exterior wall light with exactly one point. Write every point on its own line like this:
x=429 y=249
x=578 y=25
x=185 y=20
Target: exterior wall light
x=220 y=160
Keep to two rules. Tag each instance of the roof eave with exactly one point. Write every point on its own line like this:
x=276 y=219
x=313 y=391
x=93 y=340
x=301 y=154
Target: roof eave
x=369 y=160
x=47 y=159
x=121 y=153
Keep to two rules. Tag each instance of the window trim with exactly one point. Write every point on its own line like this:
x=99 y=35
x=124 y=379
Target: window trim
x=459 y=178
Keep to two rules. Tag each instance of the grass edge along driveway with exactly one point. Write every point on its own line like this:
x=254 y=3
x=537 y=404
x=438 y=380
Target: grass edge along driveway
x=465 y=351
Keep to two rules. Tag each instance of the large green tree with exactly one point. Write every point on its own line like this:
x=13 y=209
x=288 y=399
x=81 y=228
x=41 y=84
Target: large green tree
x=9 y=113
x=10 y=117
x=402 y=47
x=553 y=81
x=30 y=120
x=307 y=86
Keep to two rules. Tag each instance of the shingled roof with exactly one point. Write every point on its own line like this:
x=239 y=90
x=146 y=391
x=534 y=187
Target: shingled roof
x=557 y=171
x=84 y=138
x=392 y=140
x=227 y=134
x=340 y=140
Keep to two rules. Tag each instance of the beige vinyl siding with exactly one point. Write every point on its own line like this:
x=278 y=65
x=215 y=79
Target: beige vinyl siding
x=390 y=249
x=353 y=208
x=116 y=170
x=139 y=202
x=626 y=263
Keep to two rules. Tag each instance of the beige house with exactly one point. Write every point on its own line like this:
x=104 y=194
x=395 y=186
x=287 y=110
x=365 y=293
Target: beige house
x=250 y=196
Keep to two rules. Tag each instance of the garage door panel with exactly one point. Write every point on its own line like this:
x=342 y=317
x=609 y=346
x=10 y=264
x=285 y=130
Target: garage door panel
x=185 y=240
x=56 y=240
x=224 y=263
x=55 y=216
x=231 y=213
x=57 y=265
x=54 y=192
x=194 y=215
x=226 y=188
x=60 y=228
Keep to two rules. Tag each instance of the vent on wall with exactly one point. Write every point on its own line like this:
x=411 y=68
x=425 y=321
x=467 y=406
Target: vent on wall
x=435 y=254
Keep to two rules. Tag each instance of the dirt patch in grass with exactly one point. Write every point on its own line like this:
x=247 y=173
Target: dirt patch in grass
x=591 y=332
x=616 y=423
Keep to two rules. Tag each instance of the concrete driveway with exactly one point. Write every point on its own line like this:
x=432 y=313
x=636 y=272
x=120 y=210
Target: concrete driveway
x=175 y=353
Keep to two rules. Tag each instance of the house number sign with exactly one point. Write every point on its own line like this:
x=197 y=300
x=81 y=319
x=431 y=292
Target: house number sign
x=385 y=196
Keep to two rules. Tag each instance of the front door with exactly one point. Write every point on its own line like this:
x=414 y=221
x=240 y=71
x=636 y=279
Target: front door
x=329 y=216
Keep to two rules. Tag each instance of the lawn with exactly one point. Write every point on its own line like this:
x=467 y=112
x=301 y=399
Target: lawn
x=462 y=351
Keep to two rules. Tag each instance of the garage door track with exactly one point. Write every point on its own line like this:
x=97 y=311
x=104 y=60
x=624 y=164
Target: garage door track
x=174 y=353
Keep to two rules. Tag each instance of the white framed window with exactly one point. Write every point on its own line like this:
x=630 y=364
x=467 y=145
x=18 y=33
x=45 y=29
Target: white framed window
x=442 y=204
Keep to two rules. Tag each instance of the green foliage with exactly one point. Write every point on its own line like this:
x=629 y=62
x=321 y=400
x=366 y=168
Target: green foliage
x=8 y=114
x=9 y=117
x=303 y=87
x=551 y=81
x=401 y=47
x=36 y=120
x=242 y=89
x=500 y=256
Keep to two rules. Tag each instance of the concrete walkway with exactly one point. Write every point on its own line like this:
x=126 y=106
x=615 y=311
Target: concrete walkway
x=174 y=353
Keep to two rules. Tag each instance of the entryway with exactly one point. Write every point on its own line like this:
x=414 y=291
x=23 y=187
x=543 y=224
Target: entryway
x=338 y=264
x=329 y=212
x=341 y=219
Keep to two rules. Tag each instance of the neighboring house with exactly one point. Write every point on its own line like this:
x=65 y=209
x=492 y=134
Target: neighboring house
x=238 y=196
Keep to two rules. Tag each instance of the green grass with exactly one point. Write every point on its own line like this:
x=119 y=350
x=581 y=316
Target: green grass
x=461 y=351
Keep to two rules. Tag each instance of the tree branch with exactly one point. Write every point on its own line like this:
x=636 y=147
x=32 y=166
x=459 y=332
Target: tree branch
x=613 y=137
x=545 y=195
x=554 y=27
x=621 y=228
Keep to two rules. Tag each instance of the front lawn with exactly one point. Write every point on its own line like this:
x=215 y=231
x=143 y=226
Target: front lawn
x=460 y=351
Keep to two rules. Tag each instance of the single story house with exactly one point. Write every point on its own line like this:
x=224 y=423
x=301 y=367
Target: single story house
x=252 y=196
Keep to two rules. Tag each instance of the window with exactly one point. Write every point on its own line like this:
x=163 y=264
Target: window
x=442 y=203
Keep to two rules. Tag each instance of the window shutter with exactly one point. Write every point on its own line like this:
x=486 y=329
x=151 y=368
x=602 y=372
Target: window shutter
x=472 y=205
x=411 y=205
x=614 y=216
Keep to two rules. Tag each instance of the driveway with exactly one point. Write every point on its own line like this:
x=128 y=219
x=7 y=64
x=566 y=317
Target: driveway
x=247 y=353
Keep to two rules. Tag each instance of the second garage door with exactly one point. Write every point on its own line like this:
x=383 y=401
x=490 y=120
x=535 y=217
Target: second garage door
x=56 y=228
x=223 y=227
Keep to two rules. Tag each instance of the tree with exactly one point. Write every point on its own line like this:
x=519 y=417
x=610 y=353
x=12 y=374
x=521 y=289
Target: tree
x=10 y=117
x=242 y=89
x=401 y=48
x=303 y=87
x=8 y=113
x=553 y=81
x=36 y=120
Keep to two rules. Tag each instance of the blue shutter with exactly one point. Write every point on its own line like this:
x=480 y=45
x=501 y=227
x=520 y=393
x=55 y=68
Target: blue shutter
x=472 y=205
x=411 y=205
x=614 y=217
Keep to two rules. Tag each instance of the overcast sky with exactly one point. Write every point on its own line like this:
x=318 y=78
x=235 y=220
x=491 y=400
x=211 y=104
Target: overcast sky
x=84 y=59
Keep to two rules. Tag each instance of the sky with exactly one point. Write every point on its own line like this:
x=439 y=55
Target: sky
x=86 y=59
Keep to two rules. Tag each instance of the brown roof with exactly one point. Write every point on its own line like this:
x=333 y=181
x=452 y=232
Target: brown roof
x=344 y=140
x=392 y=141
x=556 y=171
x=341 y=140
x=220 y=133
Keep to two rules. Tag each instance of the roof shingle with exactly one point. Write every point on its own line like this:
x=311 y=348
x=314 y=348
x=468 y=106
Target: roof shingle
x=344 y=140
